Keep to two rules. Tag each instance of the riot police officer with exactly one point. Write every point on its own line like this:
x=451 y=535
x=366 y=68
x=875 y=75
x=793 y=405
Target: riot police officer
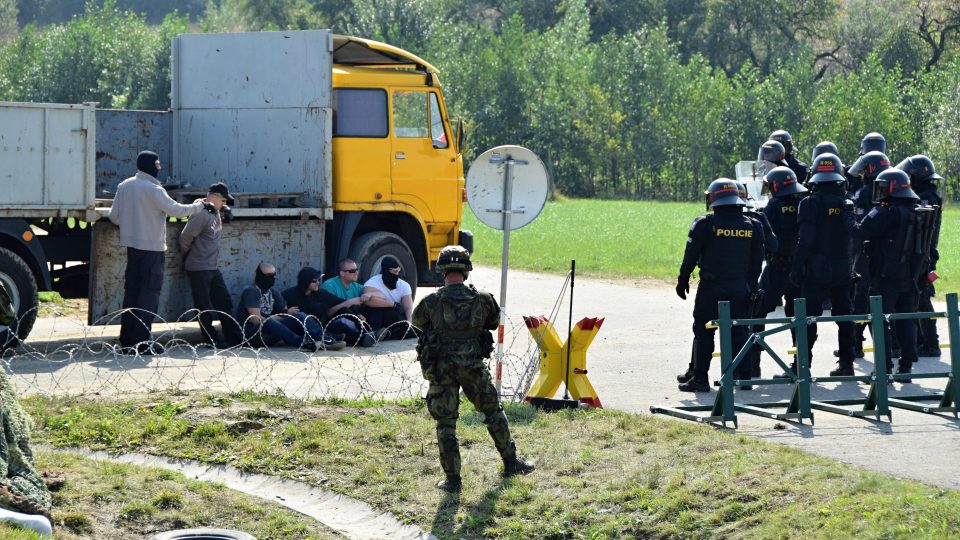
x=456 y=322
x=873 y=142
x=896 y=257
x=798 y=167
x=781 y=212
x=924 y=181
x=772 y=154
x=865 y=171
x=770 y=242
x=823 y=147
x=821 y=263
x=728 y=247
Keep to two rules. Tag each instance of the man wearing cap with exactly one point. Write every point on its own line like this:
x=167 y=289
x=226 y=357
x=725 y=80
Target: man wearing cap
x=140 y=208
x=200 y=244
x=390 y=302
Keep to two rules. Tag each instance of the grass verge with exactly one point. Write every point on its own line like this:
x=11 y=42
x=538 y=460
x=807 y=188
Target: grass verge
x=54 y=305
x=633 y=239
x=601 y=474
x=108 y=500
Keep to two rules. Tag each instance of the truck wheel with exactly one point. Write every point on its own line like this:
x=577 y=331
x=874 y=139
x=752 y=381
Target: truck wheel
x=22 y=287
x=370 y=249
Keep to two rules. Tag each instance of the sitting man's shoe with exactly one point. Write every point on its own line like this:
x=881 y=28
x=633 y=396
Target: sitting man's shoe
x=382 y=334
x=685 y=376
x=695 y=385
x=451 y=484
x=517 y=466
x=331 y=343
x=842 y=370
x=367 y=339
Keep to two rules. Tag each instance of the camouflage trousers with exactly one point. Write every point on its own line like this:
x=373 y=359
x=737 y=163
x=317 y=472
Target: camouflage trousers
x=443 y=401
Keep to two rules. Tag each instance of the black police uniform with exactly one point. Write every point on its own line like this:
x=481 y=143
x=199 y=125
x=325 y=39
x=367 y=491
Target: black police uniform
x=781 y=214
x=821 y=263
x=770 y=241
x=799 y=168
x=929 y=340
x=863 y=203
x=886 y=227
x=728 y=247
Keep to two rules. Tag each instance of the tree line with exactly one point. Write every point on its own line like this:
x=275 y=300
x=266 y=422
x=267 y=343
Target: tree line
x=645 y=99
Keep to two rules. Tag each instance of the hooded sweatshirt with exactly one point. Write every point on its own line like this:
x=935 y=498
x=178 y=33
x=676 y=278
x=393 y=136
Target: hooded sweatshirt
x=317 y=303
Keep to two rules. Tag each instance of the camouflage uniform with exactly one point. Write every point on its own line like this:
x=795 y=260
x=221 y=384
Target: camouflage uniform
x=456 y=322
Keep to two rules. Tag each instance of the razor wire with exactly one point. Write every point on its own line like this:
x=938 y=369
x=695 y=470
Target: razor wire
x=64 y=356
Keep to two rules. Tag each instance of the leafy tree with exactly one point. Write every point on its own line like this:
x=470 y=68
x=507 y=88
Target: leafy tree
x=8 y=20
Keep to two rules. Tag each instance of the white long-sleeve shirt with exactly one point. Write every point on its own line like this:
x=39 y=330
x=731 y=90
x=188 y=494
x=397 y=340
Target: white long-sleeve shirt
x=140 y=208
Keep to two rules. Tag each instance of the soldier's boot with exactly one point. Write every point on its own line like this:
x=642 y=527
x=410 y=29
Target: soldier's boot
x=450 y=483
x=905 y=368
x=843 y=369
x=514 y=466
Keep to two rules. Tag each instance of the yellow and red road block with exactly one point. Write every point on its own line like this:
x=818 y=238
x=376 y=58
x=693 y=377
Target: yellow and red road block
x=553 y=359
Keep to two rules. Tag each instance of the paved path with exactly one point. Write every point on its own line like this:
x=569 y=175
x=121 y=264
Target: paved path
x=643 y=344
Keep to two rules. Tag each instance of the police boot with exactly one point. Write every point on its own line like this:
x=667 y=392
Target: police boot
x=789 y=374
x=515 y=466
x=451 y=483
x=697 y=383
x=905 y=368
x=685 y=376
x=843 y=369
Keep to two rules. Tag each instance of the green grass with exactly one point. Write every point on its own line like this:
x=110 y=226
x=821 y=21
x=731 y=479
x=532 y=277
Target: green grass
x=633 y=239
x=107 y=500
x=601 y=474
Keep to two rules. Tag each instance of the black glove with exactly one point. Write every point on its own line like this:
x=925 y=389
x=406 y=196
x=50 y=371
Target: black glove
x=226 y=215
x=756 y=295
x=209 y=207
x=683 y=287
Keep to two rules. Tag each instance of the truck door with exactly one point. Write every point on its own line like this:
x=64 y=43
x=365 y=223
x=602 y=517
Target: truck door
x=424 y=162
x=361 y=145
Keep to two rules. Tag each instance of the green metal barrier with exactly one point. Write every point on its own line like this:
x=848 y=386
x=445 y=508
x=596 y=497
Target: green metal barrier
x=877 y=403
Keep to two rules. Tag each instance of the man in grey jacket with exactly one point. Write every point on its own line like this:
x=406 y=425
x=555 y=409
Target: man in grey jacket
x=140 y=208
x=200 y=244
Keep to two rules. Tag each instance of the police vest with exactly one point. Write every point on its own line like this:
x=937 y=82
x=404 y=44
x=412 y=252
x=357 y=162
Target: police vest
x=785 y=211
x=727 y=240
x=834 y=225
x=906 y=247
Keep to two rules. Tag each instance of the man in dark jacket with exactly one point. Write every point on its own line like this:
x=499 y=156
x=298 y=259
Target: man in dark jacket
x=315 y=302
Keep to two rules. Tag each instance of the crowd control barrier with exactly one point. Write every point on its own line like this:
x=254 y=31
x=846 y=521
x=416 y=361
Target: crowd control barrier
x=800 y=407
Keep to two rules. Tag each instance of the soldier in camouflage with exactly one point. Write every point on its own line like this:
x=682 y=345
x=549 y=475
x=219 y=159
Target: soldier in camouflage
x=456 y=322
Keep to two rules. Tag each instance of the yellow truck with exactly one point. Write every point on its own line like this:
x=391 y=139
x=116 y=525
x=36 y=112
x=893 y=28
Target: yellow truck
x=335 y=147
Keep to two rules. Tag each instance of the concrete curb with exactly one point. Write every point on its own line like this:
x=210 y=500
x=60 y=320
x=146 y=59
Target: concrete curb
x=346 y=515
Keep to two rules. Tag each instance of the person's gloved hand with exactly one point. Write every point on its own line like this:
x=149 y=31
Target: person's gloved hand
x=209 y=207
x=683 y=287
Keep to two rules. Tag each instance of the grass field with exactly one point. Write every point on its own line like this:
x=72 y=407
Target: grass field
x=601 y=473
x=633 y=239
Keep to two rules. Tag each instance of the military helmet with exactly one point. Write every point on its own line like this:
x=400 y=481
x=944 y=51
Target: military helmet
x=781 y=182
x=869 y=165
x=454 y=258
x=873 y=142
x=826 y=168
x=893 y=183
x=771 y=151
x=824 y=147
x=783 y=137
x=722 y=192
x=919 y=168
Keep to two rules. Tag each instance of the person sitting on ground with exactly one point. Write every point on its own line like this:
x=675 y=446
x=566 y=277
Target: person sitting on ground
x=320 y=304
x=268 y=321
x=390 y=302
x=345 y=287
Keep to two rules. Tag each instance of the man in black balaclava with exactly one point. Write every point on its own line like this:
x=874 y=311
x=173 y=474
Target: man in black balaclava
x=140 y=208
x=390 y=307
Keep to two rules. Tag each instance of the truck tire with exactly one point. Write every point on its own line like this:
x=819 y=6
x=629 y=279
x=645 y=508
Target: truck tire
x=22 y=287
x=370 y=249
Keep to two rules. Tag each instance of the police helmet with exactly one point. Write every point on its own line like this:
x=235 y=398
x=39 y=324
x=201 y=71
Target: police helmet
x=454 y=258
x=771 y=151
x=869 y=165
x=893 y=183
x=824 y=147
x=826 y=168
x=744 y=194
x=723 y=192
x=782 y=182
x=873 y=142
x=919 y=168
x=783 y=137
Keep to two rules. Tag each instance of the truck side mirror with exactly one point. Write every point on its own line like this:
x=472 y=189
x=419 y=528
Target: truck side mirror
x=461 y=135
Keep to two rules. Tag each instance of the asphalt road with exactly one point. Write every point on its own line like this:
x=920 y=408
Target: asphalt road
x=643 y=343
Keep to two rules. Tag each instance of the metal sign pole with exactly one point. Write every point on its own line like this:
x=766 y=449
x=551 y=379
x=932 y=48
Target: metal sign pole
x=504 y=261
